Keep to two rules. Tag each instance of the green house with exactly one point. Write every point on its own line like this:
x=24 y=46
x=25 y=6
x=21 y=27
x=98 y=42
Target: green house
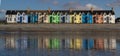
x=54 y=18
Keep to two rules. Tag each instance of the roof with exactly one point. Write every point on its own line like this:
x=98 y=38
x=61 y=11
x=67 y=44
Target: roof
x=63 y=11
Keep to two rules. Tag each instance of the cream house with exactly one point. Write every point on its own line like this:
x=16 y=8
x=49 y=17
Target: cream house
x=11 y=17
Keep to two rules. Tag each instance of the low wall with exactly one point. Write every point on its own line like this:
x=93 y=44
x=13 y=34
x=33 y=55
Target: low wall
x=59 y=27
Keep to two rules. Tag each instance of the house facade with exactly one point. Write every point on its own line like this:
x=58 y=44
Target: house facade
x=61 y=16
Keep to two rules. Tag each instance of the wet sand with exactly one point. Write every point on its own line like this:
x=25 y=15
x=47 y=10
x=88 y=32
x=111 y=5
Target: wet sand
x=60 y=27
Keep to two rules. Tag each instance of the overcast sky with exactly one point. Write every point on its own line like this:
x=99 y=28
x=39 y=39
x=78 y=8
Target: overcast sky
x=60 y=4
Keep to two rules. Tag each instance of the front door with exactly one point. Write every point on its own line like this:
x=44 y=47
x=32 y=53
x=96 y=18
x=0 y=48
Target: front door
x=63 y=19
x=20 y=19
x=107 y=20
x=86 y=19
x=50 y=19
x=28 y=19
x=72 y=19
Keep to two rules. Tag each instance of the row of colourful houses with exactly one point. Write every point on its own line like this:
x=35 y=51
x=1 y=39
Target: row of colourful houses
x=60 y=16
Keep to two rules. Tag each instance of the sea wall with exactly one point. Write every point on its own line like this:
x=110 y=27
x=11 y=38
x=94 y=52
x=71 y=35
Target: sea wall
x=59 y=27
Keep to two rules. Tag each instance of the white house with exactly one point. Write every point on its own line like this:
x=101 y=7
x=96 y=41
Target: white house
x=112 y=18
x=40 y=18
x=18 y=17
x=24 y=18
x=11 y=17
x=46 y=18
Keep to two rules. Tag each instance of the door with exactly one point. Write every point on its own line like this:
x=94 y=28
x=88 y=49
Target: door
x=20 y=19
x=50 y=19
x=63 y=19
x=107 y=20
x=72 y=19
x=86 y=19
x=28 y=19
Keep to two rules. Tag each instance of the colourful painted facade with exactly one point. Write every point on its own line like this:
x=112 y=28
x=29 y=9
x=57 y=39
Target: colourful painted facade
x=61 y=16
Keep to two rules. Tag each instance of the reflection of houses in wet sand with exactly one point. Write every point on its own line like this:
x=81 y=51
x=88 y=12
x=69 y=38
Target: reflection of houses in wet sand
x=46 y=43
x=32 y=43
x=21 y=43
x=2 y=42
x=72 y=43
x=10 y=42
x=112 y=43
x=77 y=43
x=99 y=43
x=55 y=43
x=106 y=44
x=40 y=42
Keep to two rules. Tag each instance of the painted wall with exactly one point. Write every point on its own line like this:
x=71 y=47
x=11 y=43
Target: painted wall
x=46 y=18
x=72 y=18
x=78 y=19
x=112 y=20
x=84 y=18
x=25 y=19
x=100 y=19
x=40 y=18
x=11 y=18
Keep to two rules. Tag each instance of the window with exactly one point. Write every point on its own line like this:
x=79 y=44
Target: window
x=18 y=18
x=23 y=18
x=14 y=19
x=18 y=14
x=80 y=18
x=75 y=18
x=110 y=18
x=10 y=19
x=23 y=14
x=8 y=15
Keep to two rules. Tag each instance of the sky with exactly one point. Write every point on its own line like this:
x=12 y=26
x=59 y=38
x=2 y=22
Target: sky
x=60 y=4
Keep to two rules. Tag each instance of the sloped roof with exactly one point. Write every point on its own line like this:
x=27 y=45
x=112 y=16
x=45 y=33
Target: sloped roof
x=63 y=11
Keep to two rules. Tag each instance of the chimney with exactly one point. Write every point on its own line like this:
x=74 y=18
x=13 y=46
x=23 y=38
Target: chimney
x=49 y=10
x=70 y=9
x=112 y=9
x=91 y=9
x=28 y=10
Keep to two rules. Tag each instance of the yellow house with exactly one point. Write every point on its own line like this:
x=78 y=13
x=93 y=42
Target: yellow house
x=78 y=18
x=72 y=18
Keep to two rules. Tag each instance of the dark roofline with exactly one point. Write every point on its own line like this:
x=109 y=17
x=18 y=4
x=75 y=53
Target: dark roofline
x=94 y=11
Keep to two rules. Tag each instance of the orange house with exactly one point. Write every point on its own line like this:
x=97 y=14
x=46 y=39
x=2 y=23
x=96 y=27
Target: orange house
x=99 y=19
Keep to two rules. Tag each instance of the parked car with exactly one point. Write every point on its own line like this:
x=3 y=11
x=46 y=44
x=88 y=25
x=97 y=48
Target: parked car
x=117 y=20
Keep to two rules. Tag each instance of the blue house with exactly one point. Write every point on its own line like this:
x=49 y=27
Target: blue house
x=35 y=18
x=84 y=18
x=31 y=18
x=89 y=18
